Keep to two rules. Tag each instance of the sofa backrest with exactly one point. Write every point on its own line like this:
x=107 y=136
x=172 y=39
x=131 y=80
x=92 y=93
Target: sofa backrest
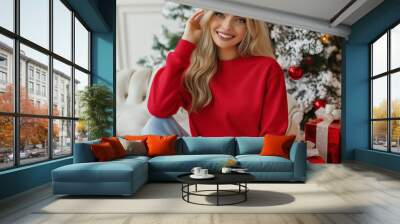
x=190 y=146
x=83 y=152
x=206 y=145
x=249 y=145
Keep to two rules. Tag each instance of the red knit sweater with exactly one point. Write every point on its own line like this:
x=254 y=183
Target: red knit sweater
x=249 y=95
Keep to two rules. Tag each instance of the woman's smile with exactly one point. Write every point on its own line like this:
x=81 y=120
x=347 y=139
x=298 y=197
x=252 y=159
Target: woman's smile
x=224 y=36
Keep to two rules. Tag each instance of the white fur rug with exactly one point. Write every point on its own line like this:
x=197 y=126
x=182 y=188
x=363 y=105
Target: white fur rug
x=166 y=198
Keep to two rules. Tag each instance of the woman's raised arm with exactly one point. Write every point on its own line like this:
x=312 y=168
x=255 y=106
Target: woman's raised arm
x=166 y=95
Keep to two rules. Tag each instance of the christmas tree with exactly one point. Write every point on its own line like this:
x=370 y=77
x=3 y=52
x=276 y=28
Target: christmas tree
x=311 y=60
x=312 y=65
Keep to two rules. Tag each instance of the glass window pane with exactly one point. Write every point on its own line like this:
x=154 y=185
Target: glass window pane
x=395 y=94
x=6 y=74
x=33 y=140
x=81 y=45
x=395 y=136
x=34 y=80
x=81 y=131
x=81 y=81
x=62 y=29
x=62 y=89
x=7 y=14
x=379 y=97
x=379 y=135
x=62 y=138
x=395 y=47
x=35 y=21
x=379 y=55
x=6 y=142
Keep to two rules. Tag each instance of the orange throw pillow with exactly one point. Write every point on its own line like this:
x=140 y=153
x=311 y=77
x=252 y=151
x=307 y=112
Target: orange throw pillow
x=277 y=145
x=116 y=145
x=103 y=152
x=161 y=145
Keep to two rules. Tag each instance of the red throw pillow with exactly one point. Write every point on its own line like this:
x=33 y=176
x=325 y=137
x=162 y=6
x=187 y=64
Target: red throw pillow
x=161 y=145
x=116 y=145
x=103 y=151
x=277 y=145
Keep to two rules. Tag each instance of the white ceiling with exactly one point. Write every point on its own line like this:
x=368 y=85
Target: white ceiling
x=317 y=15
x=321 y=9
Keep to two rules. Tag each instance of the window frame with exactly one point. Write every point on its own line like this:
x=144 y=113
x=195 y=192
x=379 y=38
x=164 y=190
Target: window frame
x=16 y=115
x=388 y=74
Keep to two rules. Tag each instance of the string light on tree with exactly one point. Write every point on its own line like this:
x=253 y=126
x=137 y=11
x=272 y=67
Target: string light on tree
x=325 y=39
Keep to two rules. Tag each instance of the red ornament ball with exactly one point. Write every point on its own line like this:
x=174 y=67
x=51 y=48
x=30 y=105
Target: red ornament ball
x=295 y=72
x=318 y=103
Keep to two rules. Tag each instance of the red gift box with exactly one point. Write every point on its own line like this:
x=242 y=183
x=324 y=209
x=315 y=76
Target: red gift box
x=310 y=131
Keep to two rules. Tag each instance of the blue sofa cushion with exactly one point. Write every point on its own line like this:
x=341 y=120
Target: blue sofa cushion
x=111 y=171
x=206 y=145
x=185 y=163
x=257 y=163
x=83 y=152
x=249 y=145
x=130 y=158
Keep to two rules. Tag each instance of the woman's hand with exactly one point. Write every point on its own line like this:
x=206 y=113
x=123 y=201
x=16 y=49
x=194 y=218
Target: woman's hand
x=193 y=28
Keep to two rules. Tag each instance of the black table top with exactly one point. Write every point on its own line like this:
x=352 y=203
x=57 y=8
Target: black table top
x=220 y=178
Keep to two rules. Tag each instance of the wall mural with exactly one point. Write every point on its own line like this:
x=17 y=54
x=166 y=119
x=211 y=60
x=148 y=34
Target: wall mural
x=311 y=65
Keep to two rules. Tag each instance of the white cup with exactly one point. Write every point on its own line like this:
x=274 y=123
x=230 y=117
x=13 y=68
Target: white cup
x=196 y=170
x=203 y=172
x=226 y=170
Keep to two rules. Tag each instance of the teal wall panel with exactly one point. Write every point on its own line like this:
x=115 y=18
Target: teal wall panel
x=356 y=124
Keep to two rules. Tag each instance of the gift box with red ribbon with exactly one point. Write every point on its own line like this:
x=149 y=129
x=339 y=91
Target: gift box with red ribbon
x=333 y=141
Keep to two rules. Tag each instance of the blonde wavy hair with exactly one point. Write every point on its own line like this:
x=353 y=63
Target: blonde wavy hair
x=203 y=65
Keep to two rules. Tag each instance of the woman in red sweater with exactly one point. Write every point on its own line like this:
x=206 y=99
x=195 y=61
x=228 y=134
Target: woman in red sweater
x=223 y=72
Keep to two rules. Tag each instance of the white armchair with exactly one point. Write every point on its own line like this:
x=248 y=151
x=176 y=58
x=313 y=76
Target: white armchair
x=132 y=113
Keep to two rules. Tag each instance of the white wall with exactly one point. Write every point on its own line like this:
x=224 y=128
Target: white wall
x=137 y=22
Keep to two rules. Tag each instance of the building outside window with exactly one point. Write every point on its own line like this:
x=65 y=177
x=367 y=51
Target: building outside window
x=38 y=89
x=3 y=72
x=43 y=90
x=37 y=74
x=30 y=87
x=30 y=72
x=3 y=61
x=44 y=77
x=3 y=78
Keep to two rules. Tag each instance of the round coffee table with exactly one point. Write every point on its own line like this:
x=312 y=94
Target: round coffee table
x=238 y=179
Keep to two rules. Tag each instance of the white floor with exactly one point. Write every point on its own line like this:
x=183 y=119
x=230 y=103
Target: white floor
x=378 y=189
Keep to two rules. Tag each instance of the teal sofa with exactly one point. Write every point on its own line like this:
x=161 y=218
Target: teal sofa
x=125 y=176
